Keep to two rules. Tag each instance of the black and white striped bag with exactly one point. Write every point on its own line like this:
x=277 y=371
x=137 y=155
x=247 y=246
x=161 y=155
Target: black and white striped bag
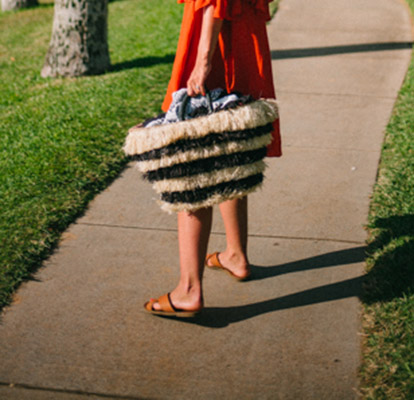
x=199 y=162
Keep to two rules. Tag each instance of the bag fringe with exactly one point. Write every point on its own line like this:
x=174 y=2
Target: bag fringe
x=204 y=161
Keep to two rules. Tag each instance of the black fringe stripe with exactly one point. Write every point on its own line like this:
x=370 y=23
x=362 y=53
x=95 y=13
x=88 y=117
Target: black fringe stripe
x=211 y=139
x=224 y=189
x=205 y=165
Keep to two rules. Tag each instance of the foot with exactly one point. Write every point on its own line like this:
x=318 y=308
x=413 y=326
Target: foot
x=183 y=300
x=236 y=264
x=167 y=308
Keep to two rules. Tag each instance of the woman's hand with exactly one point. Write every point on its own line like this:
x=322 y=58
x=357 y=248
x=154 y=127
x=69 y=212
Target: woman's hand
x=197 y=80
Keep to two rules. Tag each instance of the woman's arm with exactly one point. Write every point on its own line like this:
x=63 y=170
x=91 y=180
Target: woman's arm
x=208 y=40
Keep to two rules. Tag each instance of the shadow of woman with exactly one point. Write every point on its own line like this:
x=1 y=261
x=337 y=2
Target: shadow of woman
x=220 y=317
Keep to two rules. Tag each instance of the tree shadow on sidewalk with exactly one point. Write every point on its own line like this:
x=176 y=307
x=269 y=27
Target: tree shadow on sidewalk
x=333 y=50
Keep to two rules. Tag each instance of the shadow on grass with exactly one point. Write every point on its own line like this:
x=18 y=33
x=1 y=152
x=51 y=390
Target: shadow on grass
x=44 y=5
x=392 y=274
x=142 y=62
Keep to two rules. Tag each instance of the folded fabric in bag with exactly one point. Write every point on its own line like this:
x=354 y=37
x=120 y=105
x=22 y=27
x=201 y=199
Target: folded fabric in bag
x=198 y=162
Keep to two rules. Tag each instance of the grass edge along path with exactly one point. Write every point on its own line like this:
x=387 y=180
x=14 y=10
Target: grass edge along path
x=387 y=370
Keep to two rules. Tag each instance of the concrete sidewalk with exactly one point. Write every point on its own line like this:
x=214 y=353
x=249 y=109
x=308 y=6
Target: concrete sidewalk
x=79 y=328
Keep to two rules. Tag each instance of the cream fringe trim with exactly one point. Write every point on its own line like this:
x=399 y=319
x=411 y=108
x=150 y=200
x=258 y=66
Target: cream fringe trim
x=258 y=113
x=211 y=201
x=211 y=179
x=200 y=153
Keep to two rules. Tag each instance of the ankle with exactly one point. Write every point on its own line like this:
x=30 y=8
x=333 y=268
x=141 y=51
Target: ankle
x=189 y=288
x=187 y=296
x=236 y=255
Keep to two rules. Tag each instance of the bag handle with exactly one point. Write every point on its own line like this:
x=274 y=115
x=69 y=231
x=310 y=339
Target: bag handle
x=186 y=99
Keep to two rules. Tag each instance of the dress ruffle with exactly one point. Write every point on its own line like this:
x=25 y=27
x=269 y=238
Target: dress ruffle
x=232 y=9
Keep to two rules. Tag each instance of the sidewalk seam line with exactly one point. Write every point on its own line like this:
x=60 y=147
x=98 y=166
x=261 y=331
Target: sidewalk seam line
x=257 y=235
x=68 y=391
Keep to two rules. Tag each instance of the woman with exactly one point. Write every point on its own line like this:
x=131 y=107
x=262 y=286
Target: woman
x=223 y=43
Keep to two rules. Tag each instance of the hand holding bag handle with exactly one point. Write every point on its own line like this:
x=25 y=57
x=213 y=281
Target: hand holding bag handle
x=186 y=99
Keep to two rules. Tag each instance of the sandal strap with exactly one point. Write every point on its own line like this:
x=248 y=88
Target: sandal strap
x=165 y=303
x=215 y=262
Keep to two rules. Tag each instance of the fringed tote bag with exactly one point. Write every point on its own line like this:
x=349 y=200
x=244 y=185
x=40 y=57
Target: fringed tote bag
x=202 y=161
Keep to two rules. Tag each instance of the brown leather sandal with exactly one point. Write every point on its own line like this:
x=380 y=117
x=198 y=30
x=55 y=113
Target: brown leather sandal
x=216 y=264
x=167 y=308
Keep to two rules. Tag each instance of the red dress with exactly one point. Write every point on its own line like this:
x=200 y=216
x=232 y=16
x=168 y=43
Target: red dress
x=241 y=61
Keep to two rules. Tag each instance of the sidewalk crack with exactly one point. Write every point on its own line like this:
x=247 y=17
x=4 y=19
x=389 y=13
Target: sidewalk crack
x=256 y=235
x=69 y=391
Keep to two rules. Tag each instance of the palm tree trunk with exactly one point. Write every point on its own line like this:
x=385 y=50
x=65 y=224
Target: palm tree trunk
x=79 y=39
x=9 y=5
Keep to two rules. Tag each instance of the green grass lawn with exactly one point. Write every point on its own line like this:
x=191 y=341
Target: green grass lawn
x=388 y=356
x=61 y=139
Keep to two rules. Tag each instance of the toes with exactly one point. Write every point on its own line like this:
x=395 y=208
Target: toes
x=149 y=305
x=208 y=259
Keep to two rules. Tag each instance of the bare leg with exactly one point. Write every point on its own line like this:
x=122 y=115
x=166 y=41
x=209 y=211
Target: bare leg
x=234 y=258
x=193 y=234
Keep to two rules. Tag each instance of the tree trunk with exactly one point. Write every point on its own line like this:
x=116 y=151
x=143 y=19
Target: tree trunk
x=79 y=43
x=9 y=5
